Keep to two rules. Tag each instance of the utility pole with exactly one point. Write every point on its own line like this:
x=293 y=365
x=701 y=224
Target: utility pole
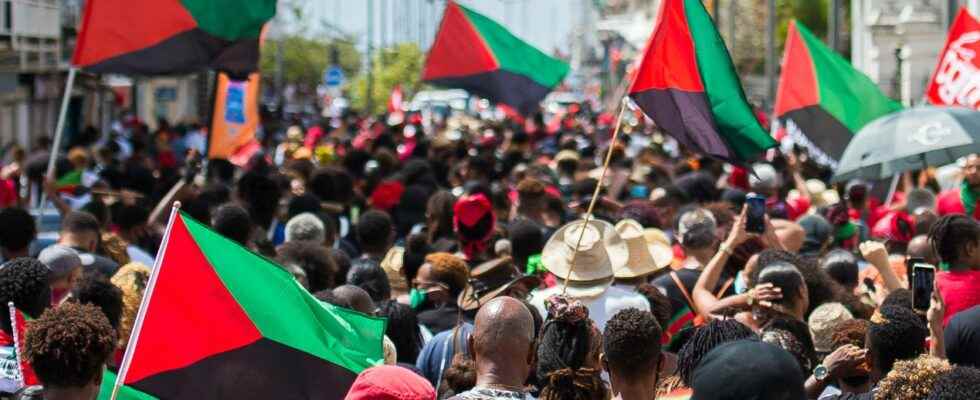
x=369 y=101
x=833 y=24
x=771 y=51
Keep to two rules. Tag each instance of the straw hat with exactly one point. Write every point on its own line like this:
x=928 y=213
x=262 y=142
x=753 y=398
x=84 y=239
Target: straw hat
x=392 y=265
x=645 y=257
x=490 y=279
x=601 y=252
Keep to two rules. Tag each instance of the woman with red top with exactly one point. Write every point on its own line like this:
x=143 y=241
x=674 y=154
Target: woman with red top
x=964 y=198
x=956 y=240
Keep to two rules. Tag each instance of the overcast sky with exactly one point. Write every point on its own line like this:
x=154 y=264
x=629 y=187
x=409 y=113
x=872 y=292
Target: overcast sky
x=544 y=23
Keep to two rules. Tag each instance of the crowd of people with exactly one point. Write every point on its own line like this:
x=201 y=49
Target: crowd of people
x=472 y=238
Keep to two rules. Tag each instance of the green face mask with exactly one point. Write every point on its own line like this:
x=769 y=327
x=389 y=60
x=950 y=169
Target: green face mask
x=416 y=298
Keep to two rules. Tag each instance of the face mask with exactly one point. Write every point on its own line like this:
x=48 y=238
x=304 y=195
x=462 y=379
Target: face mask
x=416 y=298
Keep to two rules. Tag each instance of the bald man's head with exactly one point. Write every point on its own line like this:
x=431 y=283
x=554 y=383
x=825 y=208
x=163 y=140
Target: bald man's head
x=503 y=331
x=919 y=247
x=358 y=298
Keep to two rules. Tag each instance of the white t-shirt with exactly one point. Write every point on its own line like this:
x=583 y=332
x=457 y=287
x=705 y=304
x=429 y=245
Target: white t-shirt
x=602 y=307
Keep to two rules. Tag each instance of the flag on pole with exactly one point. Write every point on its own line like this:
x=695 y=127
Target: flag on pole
x=687 y=84
x=235 y=119
x=475 y=53
x=221 y=322
x=163 y=37
x=956 y=80
x=822 y=100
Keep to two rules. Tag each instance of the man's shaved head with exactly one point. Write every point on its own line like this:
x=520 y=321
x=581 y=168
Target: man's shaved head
x=920 y=247
x=358 y=298
x=503 y=340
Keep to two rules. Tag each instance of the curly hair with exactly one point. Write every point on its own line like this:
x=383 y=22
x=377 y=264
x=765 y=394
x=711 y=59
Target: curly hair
x=95 y=289
x=960 y=383
x=450 y=270
x=703 y=340
x=114 y=247
x=631 y=342
x=131 y=279
x=851 y=332
x=24 y=281
x=313 y=259
x=912 y=379
x=68 y=346
x=896 y=333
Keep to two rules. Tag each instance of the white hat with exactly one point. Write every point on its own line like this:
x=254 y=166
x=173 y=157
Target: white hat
x=645 y=256
x=601 y=252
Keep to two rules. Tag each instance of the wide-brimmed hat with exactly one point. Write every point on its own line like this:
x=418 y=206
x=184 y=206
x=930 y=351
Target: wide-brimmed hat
x=601 y=252
x=490 y=279
x=645 y=257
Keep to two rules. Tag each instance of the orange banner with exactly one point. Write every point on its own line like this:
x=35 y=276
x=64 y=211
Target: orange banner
x=235 y=118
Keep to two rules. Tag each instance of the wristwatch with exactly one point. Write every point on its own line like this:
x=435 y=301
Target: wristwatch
x=821 y=373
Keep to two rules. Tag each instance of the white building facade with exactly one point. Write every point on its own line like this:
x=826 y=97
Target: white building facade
x=897 y=42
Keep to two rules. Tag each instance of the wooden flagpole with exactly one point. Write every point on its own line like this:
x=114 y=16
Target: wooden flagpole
x=595 y=194
x=59 y=128
x=134 y=336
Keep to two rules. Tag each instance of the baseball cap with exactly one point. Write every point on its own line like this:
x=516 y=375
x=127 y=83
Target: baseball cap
x=59 y=259
x=389 y=382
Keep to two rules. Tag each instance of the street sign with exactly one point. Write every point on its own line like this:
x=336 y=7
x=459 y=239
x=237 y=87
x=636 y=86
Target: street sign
x=333 y=76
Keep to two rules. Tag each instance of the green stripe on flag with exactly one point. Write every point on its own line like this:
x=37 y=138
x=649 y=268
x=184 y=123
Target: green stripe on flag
x=734 y=118
x=846 y=93
x=515 y=55
x=231 y=19
x=125 y=392
x=284 y=311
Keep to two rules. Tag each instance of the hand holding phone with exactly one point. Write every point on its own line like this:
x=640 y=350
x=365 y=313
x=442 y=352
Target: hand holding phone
x=923 y=283
x=756 y=216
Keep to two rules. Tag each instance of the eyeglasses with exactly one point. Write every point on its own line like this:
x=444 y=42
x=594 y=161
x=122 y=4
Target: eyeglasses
x=428 y=284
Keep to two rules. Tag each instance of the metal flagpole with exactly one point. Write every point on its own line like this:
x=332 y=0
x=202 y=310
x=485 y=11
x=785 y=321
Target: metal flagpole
x=60 y=127
x=134 y=336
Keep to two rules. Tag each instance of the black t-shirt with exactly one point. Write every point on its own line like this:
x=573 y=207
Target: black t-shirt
x=682 y=314
x=440 y=319
x=962 y=338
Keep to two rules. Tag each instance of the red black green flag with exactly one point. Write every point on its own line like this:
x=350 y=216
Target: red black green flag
x=822 y=100
x=162 y=37
x=687 y=84
x=222 y=322
x=475 y=53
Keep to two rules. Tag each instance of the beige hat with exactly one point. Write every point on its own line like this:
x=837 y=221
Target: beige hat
x=822 y=322
x=392 y=265
x=601 y=252
x=566 y=155
x=645 y=257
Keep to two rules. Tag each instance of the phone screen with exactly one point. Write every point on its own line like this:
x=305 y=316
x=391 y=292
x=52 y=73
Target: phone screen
x=909 y=263
x=756 y=218
x=923 y=278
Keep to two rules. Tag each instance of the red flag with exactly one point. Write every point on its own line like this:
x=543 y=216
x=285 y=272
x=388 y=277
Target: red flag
x=18 y=326
x=956 y=80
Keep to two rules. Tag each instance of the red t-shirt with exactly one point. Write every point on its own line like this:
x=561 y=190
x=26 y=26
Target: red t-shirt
x=950 y=202
x=960 y=290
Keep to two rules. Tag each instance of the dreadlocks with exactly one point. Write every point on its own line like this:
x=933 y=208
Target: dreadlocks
x=951 y=234
x=705 y=339
x=565 y=355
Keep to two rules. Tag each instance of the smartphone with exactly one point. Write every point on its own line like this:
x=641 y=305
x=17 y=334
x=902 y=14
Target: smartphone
x=923 y=279
x=909 y=263
x=756 y=215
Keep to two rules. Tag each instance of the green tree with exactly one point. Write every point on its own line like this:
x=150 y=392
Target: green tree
x=304 y=59
x=401 y=64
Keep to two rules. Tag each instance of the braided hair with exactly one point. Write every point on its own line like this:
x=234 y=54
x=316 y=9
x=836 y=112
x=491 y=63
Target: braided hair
x=951 y=234
x=566 y=344
x=703 y=340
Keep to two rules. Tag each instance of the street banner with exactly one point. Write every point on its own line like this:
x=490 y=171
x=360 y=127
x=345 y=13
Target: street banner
x=956 y=80
x=235 y=118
